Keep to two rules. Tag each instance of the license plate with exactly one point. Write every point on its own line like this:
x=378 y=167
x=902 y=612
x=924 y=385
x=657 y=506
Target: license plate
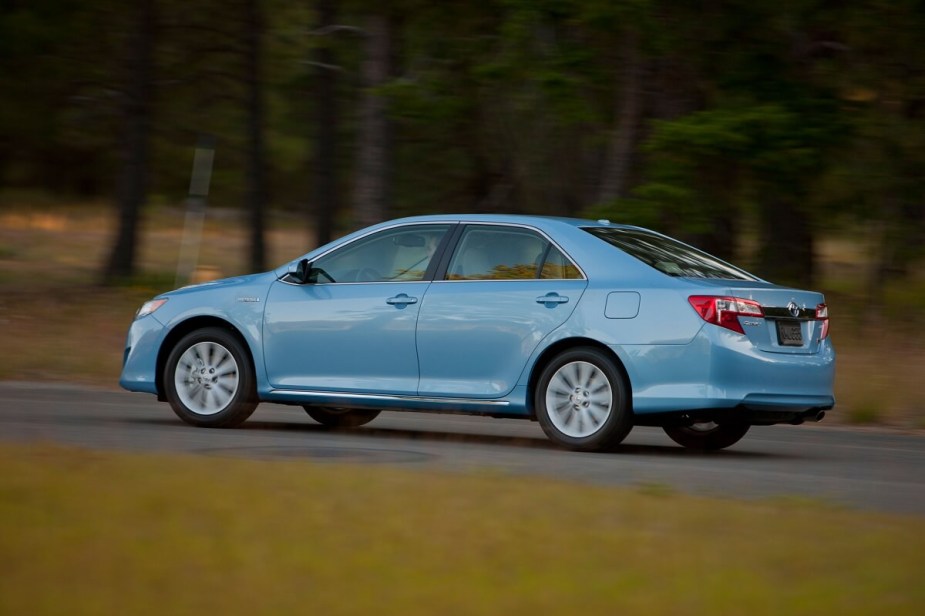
x=789 y=333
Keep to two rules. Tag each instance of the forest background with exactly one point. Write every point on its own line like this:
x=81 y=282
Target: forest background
x=786 y=136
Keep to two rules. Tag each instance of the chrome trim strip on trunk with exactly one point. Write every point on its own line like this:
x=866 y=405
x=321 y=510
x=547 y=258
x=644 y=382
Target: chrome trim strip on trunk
x=783 y=313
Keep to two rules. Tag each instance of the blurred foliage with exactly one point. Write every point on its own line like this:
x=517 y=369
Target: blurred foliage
x=754 y=125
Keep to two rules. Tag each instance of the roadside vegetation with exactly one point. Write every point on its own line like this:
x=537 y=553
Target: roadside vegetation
x=57 y=323
x=104 y=533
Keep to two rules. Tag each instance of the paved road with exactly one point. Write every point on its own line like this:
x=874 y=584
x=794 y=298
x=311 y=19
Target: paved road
x=867 y=469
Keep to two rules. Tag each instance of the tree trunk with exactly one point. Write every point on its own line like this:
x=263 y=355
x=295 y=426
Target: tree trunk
x=256 y=188
x=137 y=103
x=615 y=179
x=326 y=201
x=371 y=198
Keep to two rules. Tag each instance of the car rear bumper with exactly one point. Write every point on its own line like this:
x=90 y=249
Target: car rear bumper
x=720 y=369
x=739 y=414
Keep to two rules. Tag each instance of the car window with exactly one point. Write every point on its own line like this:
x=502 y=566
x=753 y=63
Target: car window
x=557 y=266
x=507 y=253
x=401 y=254
x=667 y=255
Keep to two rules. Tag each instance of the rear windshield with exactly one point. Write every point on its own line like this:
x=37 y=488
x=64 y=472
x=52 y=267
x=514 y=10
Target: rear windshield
x=667 y=255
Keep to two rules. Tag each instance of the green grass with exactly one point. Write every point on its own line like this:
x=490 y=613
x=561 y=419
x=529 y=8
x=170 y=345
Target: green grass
x=104 y=533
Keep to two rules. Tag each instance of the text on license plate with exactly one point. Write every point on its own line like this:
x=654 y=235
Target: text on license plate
x=789 y=333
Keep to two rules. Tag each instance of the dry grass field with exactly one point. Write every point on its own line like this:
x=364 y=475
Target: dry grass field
x=57 y=322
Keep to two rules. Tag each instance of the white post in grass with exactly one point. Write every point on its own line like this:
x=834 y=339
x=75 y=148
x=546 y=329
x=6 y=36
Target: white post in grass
x=195 y=209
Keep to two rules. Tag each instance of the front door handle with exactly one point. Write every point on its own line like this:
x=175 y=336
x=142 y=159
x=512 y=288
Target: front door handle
x=551 y=298
x=402 y=299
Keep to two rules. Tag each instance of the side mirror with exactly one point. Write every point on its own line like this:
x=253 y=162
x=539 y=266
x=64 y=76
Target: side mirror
x=304 y=272
x=299 y=272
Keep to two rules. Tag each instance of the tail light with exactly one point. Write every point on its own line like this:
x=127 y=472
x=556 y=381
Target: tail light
x=725 y=311
x=822 y=315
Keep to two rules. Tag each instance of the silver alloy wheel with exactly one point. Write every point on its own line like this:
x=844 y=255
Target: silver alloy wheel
x=579 y=399
x=206 y=378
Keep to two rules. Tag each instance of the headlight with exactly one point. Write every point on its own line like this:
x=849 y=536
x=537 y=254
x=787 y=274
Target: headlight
x=149 y=307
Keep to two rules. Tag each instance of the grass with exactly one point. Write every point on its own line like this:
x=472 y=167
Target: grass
x=100 y=533
x=58 y=324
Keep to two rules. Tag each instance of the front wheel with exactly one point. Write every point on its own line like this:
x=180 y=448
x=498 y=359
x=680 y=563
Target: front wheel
x=340 y=418
x=208 y=379
x=581 y=401
x=707 y=435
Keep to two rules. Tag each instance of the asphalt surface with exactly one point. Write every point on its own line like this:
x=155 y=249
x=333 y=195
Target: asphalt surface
x=866 y=469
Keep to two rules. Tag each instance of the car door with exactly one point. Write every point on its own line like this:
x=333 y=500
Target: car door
x=505 y=288
x=352 y=328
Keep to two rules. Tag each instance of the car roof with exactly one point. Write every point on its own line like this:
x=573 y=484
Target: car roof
x=530 y=219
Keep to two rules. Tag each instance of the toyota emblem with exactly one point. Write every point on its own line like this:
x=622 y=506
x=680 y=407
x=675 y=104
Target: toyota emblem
x=793 y=309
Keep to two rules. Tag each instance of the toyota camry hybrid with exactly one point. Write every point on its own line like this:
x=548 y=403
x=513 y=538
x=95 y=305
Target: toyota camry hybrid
x=587 y=327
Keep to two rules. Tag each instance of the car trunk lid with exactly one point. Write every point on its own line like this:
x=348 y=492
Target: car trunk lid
x=793 y=321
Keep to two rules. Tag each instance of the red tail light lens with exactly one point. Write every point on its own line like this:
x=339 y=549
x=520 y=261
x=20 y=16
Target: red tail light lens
x=725 y=311
x=822 y=315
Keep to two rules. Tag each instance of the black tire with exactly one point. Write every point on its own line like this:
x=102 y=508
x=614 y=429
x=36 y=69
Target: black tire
x=707 y=436
x=209 y=381
x=581 y=401
x=341 y=418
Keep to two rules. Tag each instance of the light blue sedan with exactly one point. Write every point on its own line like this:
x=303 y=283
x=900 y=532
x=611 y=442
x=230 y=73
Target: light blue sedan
x=587 y=327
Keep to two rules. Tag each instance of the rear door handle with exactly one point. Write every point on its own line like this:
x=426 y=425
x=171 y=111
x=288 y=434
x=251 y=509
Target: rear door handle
x=402 y=299
x=552 y=298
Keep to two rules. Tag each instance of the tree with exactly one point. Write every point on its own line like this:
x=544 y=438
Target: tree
x=761 y=138
x=56 y=76
x=372 y=176
x=877 y=178
x=327 y=121
x=256 y=191
x=137 y=110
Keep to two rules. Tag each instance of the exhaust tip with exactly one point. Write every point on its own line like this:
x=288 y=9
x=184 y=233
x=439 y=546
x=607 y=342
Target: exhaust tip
x=808 y=416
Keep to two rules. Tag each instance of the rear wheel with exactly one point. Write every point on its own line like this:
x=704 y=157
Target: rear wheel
x=341 y=418
x=581 y=401
x=707 y=435
x=208 y=379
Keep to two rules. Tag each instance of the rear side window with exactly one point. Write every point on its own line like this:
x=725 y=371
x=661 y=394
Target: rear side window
x=507 y=253
x=556 y=266
x=667 y=255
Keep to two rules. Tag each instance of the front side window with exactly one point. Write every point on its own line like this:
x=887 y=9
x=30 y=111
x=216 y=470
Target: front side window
x=393 y=255
x=667 y=255
x=506 y=253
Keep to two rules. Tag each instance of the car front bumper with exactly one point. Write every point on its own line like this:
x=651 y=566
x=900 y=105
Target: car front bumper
x=139 y=365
